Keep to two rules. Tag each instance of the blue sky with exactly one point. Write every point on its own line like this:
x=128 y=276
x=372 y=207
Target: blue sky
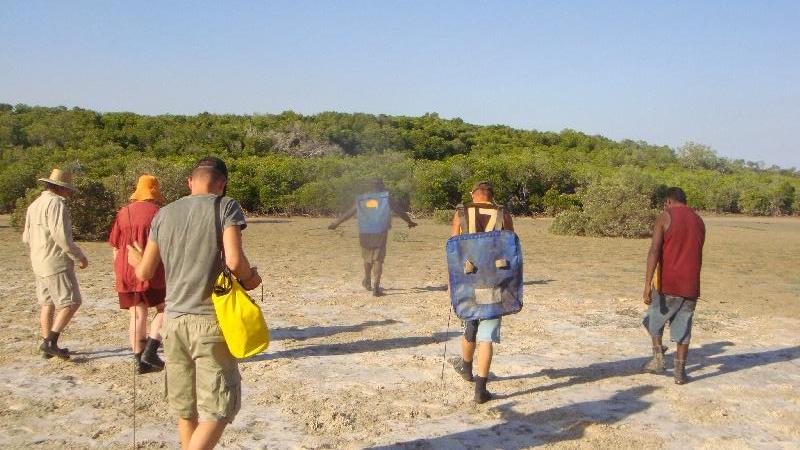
x=723 y=73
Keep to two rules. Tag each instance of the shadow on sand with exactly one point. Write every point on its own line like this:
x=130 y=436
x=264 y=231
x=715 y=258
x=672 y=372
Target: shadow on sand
x=362 y=346
x=564 y=423
x=301 y=334
x=82 y=357
x=535 y=282
x=709 y=355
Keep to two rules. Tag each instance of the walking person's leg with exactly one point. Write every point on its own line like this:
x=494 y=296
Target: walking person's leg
x=464 y=365
x=139 y=311
x=488 y=334
x=46 y=314
x=155 y=325
x=180 y=379
x=377 y=271
x=218 y=384
x=150 y=355
x=680 y=328
x=654 y=322
x=367 y=281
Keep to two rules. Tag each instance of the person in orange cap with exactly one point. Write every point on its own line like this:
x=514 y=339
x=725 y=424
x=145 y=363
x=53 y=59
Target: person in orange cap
x=132 y=224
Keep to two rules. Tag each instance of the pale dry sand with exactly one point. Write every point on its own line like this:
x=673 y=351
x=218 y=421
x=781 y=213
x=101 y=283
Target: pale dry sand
x=346 y=370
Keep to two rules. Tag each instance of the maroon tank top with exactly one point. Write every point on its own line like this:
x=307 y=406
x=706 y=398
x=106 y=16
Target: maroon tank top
x=682 y=253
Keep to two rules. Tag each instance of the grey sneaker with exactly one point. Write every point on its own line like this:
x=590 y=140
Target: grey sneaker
x=462 y=369
x=656 y=364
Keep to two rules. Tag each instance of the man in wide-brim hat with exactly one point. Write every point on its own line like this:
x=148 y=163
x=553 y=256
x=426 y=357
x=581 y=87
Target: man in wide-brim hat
x=48 y=233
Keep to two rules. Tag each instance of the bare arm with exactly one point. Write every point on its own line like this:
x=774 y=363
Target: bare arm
x=455 y=229
x=508 y=222
x=654 y=254
x=144 y=263
x=402 y=214
x=236 y=260
x=348 y=214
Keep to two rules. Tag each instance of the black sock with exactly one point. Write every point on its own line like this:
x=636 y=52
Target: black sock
x=480 y=383
x=467 y=365
x=151 y=346
x=52 y=337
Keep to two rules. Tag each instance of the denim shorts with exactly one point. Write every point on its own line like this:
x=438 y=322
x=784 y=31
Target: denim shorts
x=677 y=311
x=487 y=330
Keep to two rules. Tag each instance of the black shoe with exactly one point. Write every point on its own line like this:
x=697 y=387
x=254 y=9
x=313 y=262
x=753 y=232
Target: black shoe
x=142 y=367
x=461 y=369
x=150 y=355
x=367 y=283
x=377 y=291
x=482 y=397
x=50 y=349
x=47 y=355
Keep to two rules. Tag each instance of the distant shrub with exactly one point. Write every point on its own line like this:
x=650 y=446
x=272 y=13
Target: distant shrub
x=14 y=181
x=171 y=179
x=443 y=216
x=21 y=207
x=92 y=210
x=755 y=201
x=783 y=196
x=569 y=223
x=620 y=206
x=555 y=202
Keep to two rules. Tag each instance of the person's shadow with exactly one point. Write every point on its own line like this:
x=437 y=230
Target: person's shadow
x=708 y=355
x=361 y=346
x=564 y=423
x=301 y=334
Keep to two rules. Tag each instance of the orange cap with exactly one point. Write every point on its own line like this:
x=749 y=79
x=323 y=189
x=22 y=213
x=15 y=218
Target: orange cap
x=147 y=189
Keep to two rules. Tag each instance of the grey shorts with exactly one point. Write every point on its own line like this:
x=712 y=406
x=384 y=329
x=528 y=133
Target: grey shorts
x=59 y=290
x=487 y=330
x=677 y=311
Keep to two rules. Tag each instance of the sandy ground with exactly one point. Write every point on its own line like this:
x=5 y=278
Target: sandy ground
x=346 y=370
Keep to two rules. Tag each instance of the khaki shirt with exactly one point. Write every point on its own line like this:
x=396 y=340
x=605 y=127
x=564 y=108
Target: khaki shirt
x=48 y=233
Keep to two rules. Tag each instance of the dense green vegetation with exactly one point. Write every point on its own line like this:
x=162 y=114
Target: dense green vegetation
x=289 y=163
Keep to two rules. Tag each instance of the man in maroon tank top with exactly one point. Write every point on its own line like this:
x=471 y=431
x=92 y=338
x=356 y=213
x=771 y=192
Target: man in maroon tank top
x=672 y=281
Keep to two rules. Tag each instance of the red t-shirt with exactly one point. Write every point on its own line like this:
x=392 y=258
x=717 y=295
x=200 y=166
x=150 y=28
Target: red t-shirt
x=133 y=225
x=682 y=253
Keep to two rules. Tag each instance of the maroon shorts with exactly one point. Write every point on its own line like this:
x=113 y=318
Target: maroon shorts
x=154 y=298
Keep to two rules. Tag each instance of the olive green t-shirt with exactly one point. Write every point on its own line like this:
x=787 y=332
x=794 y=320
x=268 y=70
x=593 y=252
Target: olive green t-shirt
x=186 y=235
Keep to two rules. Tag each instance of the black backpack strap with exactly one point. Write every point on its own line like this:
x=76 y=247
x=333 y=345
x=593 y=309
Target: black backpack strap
x=218 y=228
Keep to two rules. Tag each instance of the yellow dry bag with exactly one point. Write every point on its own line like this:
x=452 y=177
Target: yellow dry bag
x=239 y=318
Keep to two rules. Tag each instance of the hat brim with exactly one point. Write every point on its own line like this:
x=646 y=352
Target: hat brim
x=59 y=183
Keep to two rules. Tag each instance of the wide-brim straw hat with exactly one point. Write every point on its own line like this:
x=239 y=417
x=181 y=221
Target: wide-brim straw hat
x=61 y=178
x=147 y=188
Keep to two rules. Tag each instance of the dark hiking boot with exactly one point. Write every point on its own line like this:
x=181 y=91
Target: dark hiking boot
x=481 y=394
x=367 y=283
x=142 y=367
x=150 y=354
x=679 y=372
x=656 y=364
x=377 y=291
x=463 y=368
x=50 y=349
x=47 y=355
x=482 y=397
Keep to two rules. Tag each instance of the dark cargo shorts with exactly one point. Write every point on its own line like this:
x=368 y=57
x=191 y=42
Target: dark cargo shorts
x=677 y=311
